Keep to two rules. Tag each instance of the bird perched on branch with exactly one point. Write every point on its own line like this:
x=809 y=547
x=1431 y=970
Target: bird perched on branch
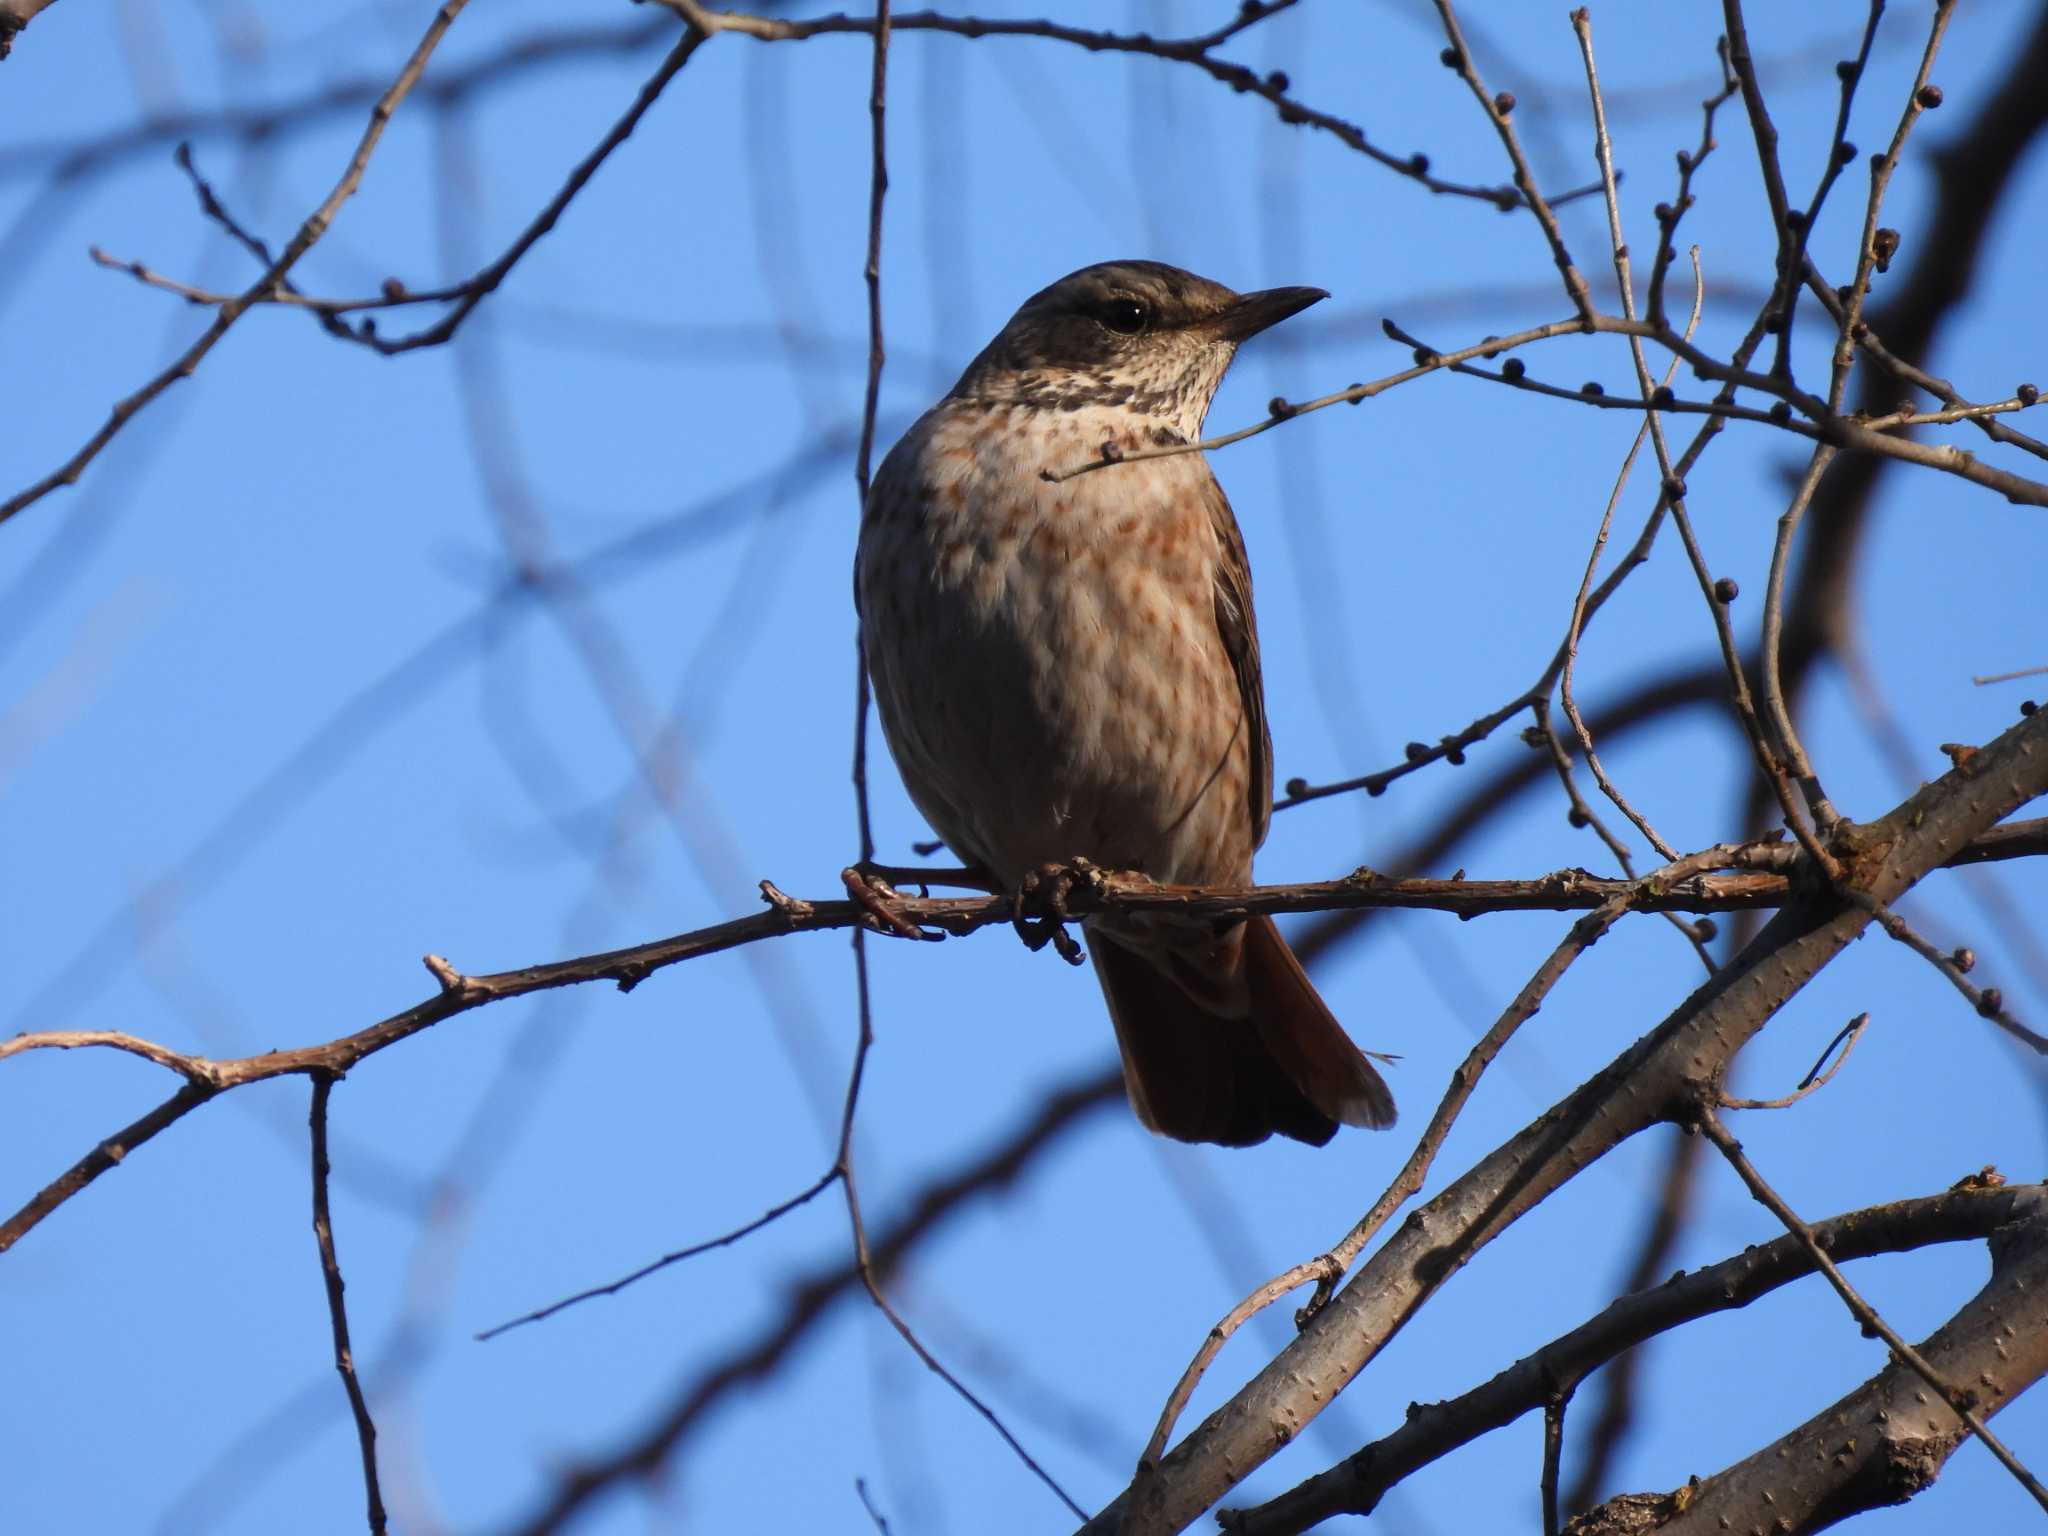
x=1068 y=669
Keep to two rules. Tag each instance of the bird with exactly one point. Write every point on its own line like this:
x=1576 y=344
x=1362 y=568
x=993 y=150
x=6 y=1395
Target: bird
x=1066 y=670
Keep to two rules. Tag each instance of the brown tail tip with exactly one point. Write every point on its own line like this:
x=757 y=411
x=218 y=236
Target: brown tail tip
x=1304 y=1037
x=1198 y=1074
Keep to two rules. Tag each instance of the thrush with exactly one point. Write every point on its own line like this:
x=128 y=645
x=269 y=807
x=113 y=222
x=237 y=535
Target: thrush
x=1069 y=670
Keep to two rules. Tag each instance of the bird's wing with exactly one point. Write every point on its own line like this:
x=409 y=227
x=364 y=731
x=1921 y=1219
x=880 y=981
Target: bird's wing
x=1240 y=631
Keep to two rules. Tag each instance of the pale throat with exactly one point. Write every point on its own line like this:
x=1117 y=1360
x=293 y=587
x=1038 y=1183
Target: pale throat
x=1136 y=402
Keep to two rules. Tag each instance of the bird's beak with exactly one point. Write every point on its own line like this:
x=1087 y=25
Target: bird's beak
x=1254 y=312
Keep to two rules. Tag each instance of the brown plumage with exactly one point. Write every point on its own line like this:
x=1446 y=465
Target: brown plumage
x=1071 y=670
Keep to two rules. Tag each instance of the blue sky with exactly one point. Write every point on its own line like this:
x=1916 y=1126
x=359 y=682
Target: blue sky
x=275 y=720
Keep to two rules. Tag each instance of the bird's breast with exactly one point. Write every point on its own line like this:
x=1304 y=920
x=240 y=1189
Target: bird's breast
x=1045 y=654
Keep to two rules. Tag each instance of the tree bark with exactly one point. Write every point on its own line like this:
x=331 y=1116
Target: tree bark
x=1885 y=1441
x=1657 y=1079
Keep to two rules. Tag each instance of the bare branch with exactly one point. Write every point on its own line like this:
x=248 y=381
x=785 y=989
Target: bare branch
x=1710 y=589
x=1622 y=1376
x=1768 y=876
x=654 y=1266
x=2007 y=677
x=1658 y=1079
x=1882 y=167
x=1433 y=1430
x=1458 y=56
x=309 y=234
x=337 y=1308
x=1328 y=1268
x=1816 y=1476
x=1578 y=618
x=1194 y=51
x=1988 y=1002
x=751 y=1360
x=1964 y=1403
x=1816 y=1078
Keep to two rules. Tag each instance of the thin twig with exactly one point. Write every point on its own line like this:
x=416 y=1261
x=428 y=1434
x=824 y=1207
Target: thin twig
x=1671 y=214
x=1988 y=1002
x=1822 y=425
x=1578 y=617
x=725 y=1240
x=1815 y=1079
x=1792 y=264
x=1578 y=812
x=1883 y=165
x=1959 y=1400
x=1767 y=758
x=1762 y=129
x=863 y=467
x=878 y=187
x=1582 y=814
x=1873 y=347
x=288 y=296
x=1451 y=748
x=1553 y=1453
x=860 y=1486
x=224 y=318
x=1288 y=410
x=1797 y=227
x=1317 y=1269
x=1771 y=645
x=1498 y=109
x=476 y=289
x=1769 y=875
x=1330 y=1267
x=337 y=1308
x=1194 y=51
x=1824 y=431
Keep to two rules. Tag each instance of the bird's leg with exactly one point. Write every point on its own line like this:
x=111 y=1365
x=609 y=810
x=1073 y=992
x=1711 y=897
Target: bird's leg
x=1041 y=917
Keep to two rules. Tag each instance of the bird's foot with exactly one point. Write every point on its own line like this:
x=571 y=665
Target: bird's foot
x=966 y=877
x=875 y=896
x=1041 y=917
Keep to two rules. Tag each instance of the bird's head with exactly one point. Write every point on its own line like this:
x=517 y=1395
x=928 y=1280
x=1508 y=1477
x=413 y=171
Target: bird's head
x=1133 y=335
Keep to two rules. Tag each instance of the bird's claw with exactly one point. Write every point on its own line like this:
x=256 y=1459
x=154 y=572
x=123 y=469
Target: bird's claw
x=1041 y=915
x=873 y=896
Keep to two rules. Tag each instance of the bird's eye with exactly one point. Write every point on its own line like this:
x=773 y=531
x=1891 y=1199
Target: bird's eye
x=1126 y=317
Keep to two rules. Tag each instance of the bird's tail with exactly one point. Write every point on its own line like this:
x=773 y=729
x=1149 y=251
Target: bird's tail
x=1255 y=1052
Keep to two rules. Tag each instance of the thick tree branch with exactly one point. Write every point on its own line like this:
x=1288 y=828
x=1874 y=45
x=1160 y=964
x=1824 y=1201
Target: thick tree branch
x=1963 y=1400
x=1657 y=1079
x=1433 y=1430
x=1327 y=1269
x=1887 y=1440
